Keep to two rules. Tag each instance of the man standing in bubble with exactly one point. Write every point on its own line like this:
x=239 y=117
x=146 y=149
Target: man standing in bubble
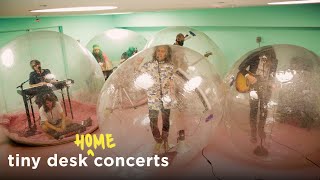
x=179 y=39
x=160 y=94
x=103 y=60
x=260 y=75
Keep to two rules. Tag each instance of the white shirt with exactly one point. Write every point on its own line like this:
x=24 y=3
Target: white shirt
x=51 y=116
x=263 y=70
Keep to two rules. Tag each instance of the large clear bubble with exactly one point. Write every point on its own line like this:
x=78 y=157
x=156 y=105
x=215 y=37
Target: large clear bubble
x=118 y=44
x=195 y=40
x=275 y=120
x=72 y=68
x=194 y=105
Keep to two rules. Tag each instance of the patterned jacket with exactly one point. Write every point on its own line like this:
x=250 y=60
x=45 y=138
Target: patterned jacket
x=159 y=93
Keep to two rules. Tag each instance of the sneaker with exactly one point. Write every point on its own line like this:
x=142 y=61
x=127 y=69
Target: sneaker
x=165 y=146
x=157 y=147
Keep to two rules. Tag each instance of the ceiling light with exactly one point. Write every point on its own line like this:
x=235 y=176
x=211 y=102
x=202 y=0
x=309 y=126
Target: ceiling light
x=295 y=2
x=74 y=9
x=117 y=33
x=116 y=13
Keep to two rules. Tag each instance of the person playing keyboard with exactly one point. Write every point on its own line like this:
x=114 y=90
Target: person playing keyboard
x=38 y=78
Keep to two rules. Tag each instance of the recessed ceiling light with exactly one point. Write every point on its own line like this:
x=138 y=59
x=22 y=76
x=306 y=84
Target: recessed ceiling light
x=74 y=9
x=116 y=13
x=295 y=2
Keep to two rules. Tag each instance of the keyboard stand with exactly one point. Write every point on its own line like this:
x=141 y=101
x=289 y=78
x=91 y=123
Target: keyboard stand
x=32 y=127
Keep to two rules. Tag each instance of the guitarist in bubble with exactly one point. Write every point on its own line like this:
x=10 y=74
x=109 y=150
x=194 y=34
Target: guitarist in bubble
x=259 y=70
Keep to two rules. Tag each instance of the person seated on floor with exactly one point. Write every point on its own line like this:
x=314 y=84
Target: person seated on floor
x=52 y=116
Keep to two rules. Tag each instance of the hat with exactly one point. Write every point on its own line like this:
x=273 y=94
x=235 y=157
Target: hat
x=131 y=51
x=96 y=46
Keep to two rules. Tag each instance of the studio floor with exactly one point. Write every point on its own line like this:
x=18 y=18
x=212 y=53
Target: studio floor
x=227 y=163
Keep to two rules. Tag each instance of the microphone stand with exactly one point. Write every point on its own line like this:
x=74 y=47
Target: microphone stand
x=21 y=85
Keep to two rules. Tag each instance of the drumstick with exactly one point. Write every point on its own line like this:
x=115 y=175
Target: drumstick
x=186 y=37
x=205 y=55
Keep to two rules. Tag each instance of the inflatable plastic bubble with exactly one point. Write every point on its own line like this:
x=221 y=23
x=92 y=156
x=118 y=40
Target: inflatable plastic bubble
x=273 y=106
x=195 y=40
x=118 y=44
x=69 y=75
x=186 y=94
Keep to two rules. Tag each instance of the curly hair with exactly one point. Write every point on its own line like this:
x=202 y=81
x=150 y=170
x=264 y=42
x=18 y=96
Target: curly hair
x=48 y=97
x=180 y=36
x=168 y=55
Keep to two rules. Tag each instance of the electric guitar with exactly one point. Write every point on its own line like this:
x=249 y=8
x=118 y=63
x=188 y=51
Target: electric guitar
x=242 y=83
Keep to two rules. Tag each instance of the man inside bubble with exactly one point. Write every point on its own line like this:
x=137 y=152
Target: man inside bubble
x=179 y=56
x=127 y=54
x=103 y=60
x=52 y=116
x=38 y=77
x=259 y=70
x=179 y=39
x=161 y=94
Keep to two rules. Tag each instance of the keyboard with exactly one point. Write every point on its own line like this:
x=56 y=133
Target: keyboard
x=32 y=91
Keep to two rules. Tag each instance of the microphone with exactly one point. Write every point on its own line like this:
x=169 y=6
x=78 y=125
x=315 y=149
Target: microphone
x=22 y=83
